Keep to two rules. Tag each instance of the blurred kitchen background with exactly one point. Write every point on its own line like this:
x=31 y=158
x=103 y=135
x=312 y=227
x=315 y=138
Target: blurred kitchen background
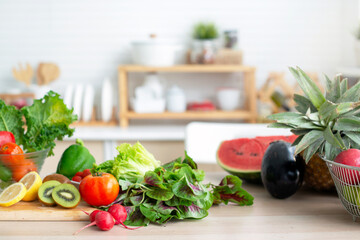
x=82 y=44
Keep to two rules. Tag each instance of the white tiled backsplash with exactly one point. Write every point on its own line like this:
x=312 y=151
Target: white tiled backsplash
x=89 y=38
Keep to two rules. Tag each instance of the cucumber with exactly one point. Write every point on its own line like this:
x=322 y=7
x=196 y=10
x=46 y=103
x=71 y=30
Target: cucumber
x=5 y=173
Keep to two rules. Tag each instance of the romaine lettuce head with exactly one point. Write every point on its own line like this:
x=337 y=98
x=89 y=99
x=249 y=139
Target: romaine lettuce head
x=133 y=162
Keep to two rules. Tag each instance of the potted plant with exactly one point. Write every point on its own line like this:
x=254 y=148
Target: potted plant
x=204 y=45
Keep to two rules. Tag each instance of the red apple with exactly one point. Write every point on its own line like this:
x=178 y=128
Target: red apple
x=6 y=137
x=350 y=157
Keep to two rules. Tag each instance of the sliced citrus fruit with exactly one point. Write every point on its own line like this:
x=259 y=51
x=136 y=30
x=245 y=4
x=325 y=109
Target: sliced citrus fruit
x=32 y=182
x=12 y=194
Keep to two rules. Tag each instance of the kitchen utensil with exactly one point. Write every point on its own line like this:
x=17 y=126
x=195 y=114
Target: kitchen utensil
x=349 y=194
x=106 y=100
x=175 y=99
x=154 y=52
x=47 y=72
x=24 y=75
x=78 y=95
x=228 y=98
x=88 y=103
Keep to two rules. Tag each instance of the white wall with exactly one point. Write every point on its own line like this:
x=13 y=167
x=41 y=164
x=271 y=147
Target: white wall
x=89 y=38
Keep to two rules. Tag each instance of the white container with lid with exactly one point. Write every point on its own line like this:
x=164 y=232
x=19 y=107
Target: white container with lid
x=176 y=99
x=154 y=52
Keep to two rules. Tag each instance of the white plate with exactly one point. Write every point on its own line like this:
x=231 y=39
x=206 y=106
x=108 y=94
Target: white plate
x=106 y=100
x=88 y=102
x=68 y=95
x=78 y=100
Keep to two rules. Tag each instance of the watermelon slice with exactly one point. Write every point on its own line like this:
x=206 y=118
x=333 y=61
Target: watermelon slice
x=243 y=156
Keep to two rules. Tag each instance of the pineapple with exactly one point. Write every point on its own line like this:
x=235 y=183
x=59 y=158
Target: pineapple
x=325 y=125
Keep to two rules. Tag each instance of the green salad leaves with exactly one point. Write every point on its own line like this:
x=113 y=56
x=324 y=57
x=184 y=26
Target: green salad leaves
x=172 y=191
x=11 y=121
x=130 y=164
x=46 y=120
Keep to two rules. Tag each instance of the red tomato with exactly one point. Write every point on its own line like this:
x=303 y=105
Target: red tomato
x=22 y=169
x=99 y=190
x=15 y=160
x=6 y=137
x=9 y=149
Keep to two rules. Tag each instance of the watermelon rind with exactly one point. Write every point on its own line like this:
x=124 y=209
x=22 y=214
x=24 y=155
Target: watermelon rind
x=251 y=176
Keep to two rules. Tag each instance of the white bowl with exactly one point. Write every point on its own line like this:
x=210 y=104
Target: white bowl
x=148 y=106
x=228 y=98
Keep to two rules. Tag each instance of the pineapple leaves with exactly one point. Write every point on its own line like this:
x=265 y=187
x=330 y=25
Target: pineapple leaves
x=334 y=140
x=348 y=124
x=351 y=95
x=354 y=137
x=309 y=87
x=303 y=104
x=312 y=149
x=330 y=151
x=307 y=140
x=333 y=90
x=284 y=116
x=327 y=111
x=294 y=120
x=324 y=125
x=343 y=86
x=279 y=125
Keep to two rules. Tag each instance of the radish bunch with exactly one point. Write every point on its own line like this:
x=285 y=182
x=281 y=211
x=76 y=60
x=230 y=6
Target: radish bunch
x=105 y=221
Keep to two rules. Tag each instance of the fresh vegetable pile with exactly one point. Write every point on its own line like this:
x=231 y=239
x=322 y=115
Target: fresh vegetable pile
x=46 y=120
x=155 y=193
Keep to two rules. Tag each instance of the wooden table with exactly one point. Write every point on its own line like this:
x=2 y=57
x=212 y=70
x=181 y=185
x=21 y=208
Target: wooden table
x=306 y=215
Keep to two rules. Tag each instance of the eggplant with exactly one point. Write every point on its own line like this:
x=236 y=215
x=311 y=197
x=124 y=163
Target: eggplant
x=282 y=172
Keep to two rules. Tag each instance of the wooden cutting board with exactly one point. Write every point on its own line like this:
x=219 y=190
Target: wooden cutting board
x=35 y=211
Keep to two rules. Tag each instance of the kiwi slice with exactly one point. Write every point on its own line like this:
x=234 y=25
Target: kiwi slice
x=66 y=195
x=58 y=177
x=45 y=192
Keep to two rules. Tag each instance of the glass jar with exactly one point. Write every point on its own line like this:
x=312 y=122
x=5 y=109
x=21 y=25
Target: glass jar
x=203 y=51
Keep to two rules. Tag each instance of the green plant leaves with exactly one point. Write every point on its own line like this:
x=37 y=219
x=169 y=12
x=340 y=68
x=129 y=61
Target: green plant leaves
x=175 y=190
x=308 y=86
x=47 y=120
x=11 y=121
x=160 y=194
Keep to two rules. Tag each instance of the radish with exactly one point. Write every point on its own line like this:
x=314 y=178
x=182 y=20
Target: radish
x=119 y=213
x=103 y=220
x=92 y=215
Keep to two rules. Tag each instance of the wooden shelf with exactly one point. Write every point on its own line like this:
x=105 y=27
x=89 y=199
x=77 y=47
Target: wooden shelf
x=191 y=115
x=95 y=124
x=248 y=113
x=188 y=68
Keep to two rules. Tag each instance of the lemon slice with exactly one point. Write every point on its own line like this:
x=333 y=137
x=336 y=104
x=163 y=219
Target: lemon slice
x=32 y=182
x=12 y=194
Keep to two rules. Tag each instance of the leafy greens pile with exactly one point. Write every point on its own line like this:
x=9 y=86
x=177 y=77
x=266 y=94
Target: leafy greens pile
x=46 y=120
x=173 y=190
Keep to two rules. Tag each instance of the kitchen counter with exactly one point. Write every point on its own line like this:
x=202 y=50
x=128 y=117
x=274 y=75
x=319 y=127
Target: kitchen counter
x=306 y=215
x=109 y=136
